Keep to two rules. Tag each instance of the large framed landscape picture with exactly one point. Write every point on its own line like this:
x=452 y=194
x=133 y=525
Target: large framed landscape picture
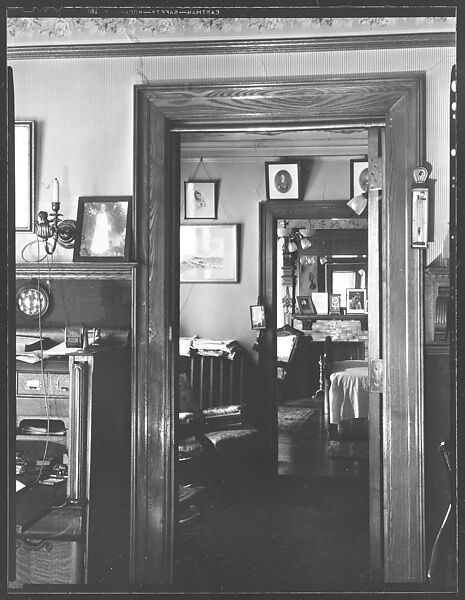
x=209 y=253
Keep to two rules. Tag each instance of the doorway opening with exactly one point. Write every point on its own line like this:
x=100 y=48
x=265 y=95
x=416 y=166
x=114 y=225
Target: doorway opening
x=163 y=113
x=292 y=530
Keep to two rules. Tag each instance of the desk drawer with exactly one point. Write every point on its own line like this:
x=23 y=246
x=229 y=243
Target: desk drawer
x=32 y=384
x=35 y=407
x=49 y=561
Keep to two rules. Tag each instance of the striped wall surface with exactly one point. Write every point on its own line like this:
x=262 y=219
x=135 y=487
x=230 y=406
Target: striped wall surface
x=83 y=110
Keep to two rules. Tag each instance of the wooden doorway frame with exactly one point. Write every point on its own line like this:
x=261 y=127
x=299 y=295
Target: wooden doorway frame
x=161 y=112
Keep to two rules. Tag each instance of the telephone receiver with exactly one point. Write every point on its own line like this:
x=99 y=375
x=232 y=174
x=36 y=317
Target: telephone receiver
x=78 y=336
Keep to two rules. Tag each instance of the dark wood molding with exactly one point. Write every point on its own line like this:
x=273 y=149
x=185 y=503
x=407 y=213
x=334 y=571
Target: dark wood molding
x=76 y=270
x=159 y=109
x=253 y=46
x=403 y=339
x=157 y=305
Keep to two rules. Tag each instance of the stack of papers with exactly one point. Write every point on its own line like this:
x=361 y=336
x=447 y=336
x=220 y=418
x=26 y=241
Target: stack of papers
x=36 y=355
x=208 y=347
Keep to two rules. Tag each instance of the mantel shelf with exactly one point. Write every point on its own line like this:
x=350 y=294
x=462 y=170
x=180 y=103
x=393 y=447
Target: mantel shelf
x=351 y=317
x=84 y=270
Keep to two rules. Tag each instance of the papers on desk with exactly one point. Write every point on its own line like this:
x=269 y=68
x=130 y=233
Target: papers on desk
x=59 y=350
x=36 y=355
x=19 y=485
x=29 y=357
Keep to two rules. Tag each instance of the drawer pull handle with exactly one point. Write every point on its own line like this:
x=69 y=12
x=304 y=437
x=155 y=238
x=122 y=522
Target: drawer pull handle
x=33 y=384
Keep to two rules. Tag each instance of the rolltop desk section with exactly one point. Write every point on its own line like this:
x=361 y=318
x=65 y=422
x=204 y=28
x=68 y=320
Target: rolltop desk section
x=75 y=409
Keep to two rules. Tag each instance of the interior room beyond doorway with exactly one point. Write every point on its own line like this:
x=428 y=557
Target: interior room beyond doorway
x=295 y=527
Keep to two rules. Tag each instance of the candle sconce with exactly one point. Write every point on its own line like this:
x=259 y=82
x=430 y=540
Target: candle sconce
x=62 y=232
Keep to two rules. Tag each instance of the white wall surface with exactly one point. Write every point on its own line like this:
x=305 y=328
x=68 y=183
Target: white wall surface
x=221 y=311
x=83 y=110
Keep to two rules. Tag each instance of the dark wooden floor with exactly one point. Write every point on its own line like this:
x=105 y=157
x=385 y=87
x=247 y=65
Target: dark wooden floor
x=305 y=531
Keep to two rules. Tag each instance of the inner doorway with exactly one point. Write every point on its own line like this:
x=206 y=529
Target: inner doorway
x=198 y=315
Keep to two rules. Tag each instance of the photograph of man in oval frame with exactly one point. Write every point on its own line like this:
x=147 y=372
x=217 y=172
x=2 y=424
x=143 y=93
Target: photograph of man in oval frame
x=282 y=180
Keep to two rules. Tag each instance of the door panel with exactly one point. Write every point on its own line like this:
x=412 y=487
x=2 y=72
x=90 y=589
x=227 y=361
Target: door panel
x=157 y=226
x=403 y=346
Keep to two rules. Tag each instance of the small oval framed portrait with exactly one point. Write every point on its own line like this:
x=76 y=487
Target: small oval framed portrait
x=282 y=181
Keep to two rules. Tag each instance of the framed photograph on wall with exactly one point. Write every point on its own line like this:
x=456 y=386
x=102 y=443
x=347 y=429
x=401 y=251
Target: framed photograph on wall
x=209 y=253
x=257 y=316
x=102 y=229
x=282 y=180
x=356 y=300
x=305 y=305
x=358 y=176
x=200 y=199
x=24 y=175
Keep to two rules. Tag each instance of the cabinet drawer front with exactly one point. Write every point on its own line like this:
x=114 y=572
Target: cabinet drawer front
x=58 y=384
x=49 y=561
x=32 y=384
x=35 y=407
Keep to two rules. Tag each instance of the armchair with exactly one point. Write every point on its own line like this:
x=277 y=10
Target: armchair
x=219 y=390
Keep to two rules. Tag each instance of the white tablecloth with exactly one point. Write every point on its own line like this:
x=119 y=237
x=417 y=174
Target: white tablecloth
x=348 y=392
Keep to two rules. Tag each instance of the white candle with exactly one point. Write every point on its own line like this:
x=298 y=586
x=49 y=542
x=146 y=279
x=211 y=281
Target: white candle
x=55 y=191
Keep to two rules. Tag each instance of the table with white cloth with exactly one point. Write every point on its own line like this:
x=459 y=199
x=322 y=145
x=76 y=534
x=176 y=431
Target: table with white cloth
x=348 y=390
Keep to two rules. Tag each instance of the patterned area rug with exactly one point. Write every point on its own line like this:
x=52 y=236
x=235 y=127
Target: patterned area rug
x=292 y=419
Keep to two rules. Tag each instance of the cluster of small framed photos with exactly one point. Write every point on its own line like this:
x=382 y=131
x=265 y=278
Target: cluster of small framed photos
x=322 y=303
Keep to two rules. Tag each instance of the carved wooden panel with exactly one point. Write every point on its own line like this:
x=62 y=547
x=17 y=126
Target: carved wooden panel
x=306 y=100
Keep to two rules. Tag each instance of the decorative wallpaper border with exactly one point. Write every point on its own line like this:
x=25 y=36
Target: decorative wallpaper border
x=132 y=29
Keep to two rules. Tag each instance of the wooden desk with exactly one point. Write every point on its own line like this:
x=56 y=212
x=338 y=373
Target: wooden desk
x=84 y=540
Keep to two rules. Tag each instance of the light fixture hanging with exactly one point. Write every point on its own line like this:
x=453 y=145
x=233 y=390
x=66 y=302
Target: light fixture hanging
x=292 y=246
x=305 y=243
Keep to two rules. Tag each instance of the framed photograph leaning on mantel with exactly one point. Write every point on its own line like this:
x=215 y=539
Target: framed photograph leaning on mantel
x=282 y=180
x=356 y=300
x=209 y=253
x=305 y=305
x=103 y=229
